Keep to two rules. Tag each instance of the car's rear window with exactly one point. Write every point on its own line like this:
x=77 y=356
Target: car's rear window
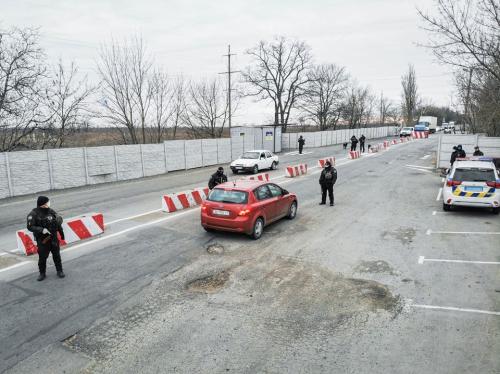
x=474 y=175
x=228 y=196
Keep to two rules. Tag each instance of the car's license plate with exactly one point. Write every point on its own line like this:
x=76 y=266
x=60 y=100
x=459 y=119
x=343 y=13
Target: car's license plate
x=474 y=189
x=238 y=167
x=221 y=212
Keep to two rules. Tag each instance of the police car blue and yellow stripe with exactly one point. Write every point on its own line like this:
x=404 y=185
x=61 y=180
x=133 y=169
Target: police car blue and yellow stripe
x=458 y=192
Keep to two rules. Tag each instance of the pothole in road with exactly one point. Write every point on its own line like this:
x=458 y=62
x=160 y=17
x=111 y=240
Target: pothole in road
x=404 y=234
x=215 y=249
x=209 y=284
x=374 y=267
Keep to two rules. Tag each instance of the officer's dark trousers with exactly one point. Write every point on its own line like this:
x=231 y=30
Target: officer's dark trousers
x=353 y=146
x=43 y=254
x=300 y=148
x=361 y=147
x=324 y=189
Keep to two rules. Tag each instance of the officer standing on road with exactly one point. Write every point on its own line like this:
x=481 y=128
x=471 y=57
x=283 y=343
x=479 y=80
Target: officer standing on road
x=362 y=140
x=45 y=223
x=327 y=179
x=453 y=155
x=301 y=141
x=477 y=152
x=354 y=142
x=217 y=178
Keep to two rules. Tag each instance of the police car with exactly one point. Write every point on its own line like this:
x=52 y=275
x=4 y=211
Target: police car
x=473 y=184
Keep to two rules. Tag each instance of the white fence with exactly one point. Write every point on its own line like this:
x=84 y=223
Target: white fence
x=489 y=146
x=325 y=138
x=23 y=173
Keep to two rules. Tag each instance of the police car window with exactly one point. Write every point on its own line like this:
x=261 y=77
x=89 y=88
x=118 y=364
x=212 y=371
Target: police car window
x=474 y=175
x=262 y=193
x=275 y=190
x=262 y=155
x=268 y=154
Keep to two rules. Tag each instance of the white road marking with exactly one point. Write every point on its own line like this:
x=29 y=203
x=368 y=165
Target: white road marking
x=422 y=167
x=442 y=180
x=297 y=153
x=456 y=309
x=138 y=215
x=16 y=265
x=422 y=259
x=429 y=231
x=426 y=156
x=434 y=213
x=418 y=169
x=439 y=194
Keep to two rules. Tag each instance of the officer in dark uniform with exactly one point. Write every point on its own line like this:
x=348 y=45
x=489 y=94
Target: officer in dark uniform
x=44 y=223
x=327 y=179
x=362 y=140
x=301 y=141
x=217 y=178
x=354 y=142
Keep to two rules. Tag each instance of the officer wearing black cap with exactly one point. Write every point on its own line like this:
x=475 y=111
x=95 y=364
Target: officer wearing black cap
x=45 y=223
x=217 y=178
x=477 y=152
x=327 y=179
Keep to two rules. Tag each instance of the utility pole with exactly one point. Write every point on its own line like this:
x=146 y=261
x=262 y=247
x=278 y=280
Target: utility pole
x=229 y=72
x=467 y=100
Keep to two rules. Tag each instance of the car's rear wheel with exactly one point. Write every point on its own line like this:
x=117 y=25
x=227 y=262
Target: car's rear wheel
x=255 y=169
x=258 y=228
x=273 y=166
x=293 y=211
x=446 y=207
x=495 y=210
x=235 y=171
x=208 y=229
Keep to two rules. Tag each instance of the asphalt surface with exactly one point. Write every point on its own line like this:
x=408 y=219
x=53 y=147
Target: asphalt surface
x=383 y=282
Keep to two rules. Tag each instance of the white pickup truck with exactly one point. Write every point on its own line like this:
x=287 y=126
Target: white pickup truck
x=405 y=131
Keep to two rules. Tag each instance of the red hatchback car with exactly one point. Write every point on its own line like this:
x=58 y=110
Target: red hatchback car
x=246 y=206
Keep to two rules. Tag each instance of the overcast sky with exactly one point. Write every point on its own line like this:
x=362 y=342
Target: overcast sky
x=373 y=39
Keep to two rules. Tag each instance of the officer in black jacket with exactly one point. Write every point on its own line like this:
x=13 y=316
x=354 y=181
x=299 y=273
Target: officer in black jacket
x=362 y=140
x=354 y=142
x=44 y=223
x=327 y=179
x=217 y=178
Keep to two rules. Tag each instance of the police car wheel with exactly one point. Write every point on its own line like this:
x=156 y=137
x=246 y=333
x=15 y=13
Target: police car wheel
x=235 y=171
x=446 y=207
x=495 y=210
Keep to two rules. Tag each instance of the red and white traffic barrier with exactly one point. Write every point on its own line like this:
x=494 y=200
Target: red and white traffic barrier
x=293 y=171
x=373 y=149
x=402 y=140
x=354 y=154
x=75 y=229
x=183 y=200
x=420 y=134
x=321 y=161
x=387 y=144
x=395 y=141
x=258 y=177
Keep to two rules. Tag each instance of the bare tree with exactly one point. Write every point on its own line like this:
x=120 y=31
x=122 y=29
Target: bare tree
x=22 y=68
x=388 y=111
x=125 y=88
x=66 y=102
x=465 y=34
x=323 y=95
x=278 y=73
x=358 y=106
x=206 y=112
x=409 y=95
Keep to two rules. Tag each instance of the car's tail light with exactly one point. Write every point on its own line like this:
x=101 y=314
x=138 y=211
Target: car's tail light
x=448 y=201
x=494 y=184
x=245 y=211
x=203 y=207
x=451 y=182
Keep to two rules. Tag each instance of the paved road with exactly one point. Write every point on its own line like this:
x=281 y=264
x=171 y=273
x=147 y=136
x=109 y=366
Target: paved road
x=351 y=288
